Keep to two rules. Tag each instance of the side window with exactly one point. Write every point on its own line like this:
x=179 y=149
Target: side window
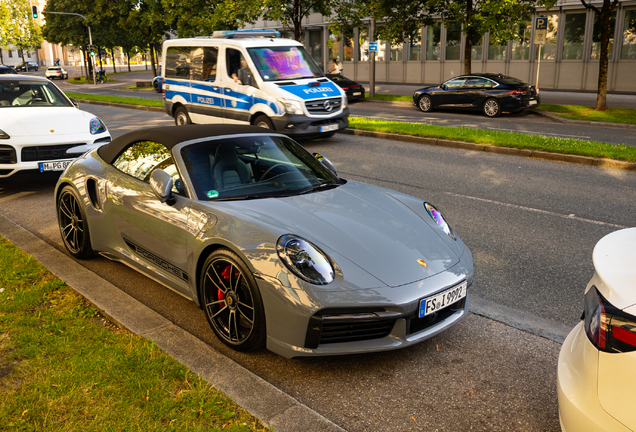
x=234 y=61
x=179 y=62
x=143 y=157
x=476 y=83
x=204 y=60
x=455 y=83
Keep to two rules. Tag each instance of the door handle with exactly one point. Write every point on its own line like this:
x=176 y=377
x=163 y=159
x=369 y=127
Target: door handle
x=215 y=87
x=228 y=88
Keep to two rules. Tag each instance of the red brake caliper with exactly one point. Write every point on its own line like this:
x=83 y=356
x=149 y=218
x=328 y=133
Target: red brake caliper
x=225 y=274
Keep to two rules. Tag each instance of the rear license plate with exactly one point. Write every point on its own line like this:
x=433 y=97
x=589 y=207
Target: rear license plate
x=54 y=166
x=444 y=299
x=328 y=128
x=532 y=102
x=357 y=93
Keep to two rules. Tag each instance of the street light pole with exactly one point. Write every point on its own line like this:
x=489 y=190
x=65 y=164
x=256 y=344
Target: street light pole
x=90 y=38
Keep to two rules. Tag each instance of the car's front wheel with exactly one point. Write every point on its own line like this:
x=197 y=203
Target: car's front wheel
x=264 y=122
x=156 y=86
x=73 y=224
x=232 y=302
x=181 y=117
x=492 y=108
x=425 y=103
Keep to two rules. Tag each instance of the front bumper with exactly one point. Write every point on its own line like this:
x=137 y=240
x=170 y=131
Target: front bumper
x=304 y=127
x=577 y=387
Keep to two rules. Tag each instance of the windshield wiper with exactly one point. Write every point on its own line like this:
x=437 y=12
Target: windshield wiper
x=321 y=187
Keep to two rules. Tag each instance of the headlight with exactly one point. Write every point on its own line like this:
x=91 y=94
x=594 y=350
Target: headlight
x=344 y=102
x=439 y=220
x=96 y=126
x=305 y=260
x=4 y=135
x=291 y=106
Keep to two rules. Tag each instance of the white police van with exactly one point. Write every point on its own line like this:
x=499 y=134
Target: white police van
x=250 y=77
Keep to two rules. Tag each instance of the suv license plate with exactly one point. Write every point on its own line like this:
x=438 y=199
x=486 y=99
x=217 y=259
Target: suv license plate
x=54 y=166
x=329 y=128
x=357 y=93
x=532 y=102
x=444 y=299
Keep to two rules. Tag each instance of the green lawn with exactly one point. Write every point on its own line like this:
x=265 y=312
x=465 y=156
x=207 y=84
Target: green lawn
x=65 y=367
x=576 y=112
x=393 y=98
x=117 y=99
x=83 y=80
x=502 y=139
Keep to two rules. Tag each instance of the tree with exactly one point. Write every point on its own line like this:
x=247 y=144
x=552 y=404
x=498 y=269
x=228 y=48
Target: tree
x=291 y=13
x=148 y=24
x=403 y=18
x=25 y=34
x=5 y=26
x=604 y=16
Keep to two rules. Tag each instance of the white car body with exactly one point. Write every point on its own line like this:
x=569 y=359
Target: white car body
x=42 y=134
x=596 y=389
x=56 y=72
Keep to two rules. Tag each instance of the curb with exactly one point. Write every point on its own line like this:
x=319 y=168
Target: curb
x=558 y=119
x=270 y=405
x=535 y=154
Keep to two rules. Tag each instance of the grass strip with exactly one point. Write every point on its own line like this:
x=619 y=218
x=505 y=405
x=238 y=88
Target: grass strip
x=117 y=99
x=64 y=367
x=392 y=98
x=83 y=80
x=134 y=87
x=501 y=139
x=577 y=112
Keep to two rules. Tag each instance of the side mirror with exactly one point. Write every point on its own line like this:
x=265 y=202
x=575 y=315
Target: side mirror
x=326 y=163
x=443 y=87
x=74 y=102
x=246 y=78
x=161 y=184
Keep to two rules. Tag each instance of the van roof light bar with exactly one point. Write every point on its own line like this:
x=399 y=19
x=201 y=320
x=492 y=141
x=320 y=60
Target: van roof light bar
x=235 y=34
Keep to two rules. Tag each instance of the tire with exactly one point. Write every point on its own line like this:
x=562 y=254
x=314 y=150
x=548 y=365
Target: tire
x=181 y=117
x=155 y=84
x=425 y=103
x=492 y=108
x=264 y=122
x=232 y=302
x=71 y=219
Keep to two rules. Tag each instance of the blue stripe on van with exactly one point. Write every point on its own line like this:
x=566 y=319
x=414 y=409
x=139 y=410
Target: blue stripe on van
x=306 y=92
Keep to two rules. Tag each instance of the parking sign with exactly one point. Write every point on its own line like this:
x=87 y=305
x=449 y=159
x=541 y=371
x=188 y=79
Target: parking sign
x=540 y=30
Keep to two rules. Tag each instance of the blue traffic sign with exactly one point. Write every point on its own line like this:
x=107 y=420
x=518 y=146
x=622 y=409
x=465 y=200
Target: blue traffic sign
x=373 y=46
x=541 y=23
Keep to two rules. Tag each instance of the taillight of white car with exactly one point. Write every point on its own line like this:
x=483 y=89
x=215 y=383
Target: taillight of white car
x=608 y=328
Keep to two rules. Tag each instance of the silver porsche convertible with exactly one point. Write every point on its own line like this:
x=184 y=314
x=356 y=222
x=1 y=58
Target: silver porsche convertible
x=266 y=238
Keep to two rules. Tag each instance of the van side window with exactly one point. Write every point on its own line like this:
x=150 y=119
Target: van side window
x=179 y=62
x=235 y=61
x=204 y=60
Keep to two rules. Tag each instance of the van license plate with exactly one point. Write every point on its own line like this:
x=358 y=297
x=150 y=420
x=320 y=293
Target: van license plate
x=440 y=301
x=329 y=128
x=54 y=166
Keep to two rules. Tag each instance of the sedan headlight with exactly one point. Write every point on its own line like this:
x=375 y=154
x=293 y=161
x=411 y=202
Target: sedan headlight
x=291 y=106
x=96 y=126
x=439 y=220
x=305 y=259
x=4 y=135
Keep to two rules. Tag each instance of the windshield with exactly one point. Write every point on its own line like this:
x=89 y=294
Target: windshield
x=254 y=167
x=24 y=93
x=284 y=63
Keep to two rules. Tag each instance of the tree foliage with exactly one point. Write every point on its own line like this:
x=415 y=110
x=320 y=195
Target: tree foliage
x=23 y=32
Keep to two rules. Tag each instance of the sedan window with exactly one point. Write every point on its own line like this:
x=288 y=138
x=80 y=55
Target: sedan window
x=455 y=83
x=476 y=83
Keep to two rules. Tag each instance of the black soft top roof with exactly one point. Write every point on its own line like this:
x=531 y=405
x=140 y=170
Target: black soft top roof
x=170 y=136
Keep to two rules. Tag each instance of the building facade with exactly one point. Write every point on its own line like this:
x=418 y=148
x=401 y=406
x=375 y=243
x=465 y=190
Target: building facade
x=569 y=60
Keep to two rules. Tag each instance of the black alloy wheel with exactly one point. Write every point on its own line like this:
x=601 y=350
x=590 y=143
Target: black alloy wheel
x=71 y=219
x=155 y=84
x=425 y=103
x=492 y=108
x=232 y=302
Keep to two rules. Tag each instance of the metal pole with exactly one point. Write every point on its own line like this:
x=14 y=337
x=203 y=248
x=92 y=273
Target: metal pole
x=536 y=84
x=372 y=60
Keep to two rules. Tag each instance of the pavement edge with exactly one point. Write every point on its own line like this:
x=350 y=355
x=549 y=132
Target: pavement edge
x=261 y=399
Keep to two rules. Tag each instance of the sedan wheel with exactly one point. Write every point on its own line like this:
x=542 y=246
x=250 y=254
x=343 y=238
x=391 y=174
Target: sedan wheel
x=71 y=219
x=232 y=302
x=492 y=108
x=425 y=103
x=181 y=117
x=156 y=86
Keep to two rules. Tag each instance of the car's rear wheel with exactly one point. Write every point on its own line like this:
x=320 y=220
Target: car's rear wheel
x=232 y=302
x=181 y=117
x=492 y=108
x=264 y=122
x=73 y=224
x=155 y=84
x=425 y=103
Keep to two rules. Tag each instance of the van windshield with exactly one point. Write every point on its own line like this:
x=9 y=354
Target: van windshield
x=284 y=63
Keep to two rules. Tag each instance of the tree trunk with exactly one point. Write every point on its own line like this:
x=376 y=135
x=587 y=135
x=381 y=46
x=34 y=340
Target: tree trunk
x=298 y=30
x=1 y=57
x=112 y=50
x=605 y=20
x=469 y=37
x=152 y=60
x=143 y=57
x=128 y=59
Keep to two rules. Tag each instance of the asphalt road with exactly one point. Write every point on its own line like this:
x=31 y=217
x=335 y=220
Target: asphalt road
x=531 y=225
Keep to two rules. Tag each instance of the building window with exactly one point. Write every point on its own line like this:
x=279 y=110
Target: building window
x=433 y=41
x=415 y=46
x=453 y=41
x=548 y=51
x=574 y=36
x=628 y=50
x=29 y=54
x=10 y=53
x=396 y=52
x=521 y=42
x=596 y=37
x=363 y=46
x=476 y=47
x=348 y=49
x=333 y=46
x=496 y=52
x=314 y=47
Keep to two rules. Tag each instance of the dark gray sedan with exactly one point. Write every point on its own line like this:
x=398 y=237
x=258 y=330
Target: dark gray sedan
x=490 y=93
x=266 y=238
